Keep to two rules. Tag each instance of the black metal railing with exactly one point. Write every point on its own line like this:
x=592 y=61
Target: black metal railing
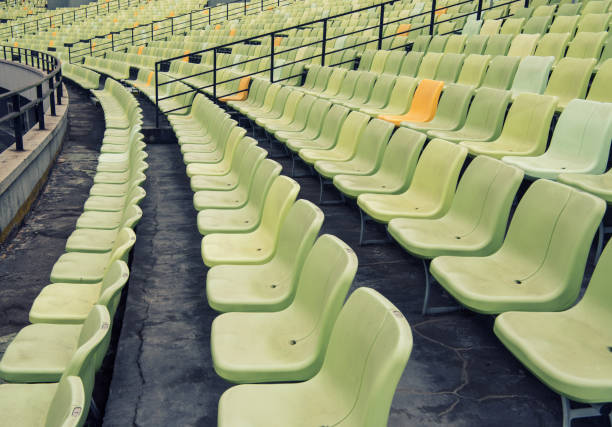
x=75 y=15
x=162 y=29
x=49 y=86
x=323 y=42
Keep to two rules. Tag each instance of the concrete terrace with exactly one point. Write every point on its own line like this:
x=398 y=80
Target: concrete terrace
x=160 y=371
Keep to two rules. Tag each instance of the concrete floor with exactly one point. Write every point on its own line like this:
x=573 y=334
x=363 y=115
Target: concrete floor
x=459 y=374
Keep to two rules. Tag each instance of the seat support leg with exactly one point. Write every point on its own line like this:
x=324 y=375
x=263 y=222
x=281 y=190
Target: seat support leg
x=429 y=280
x=306 y=170
x=326 y=182
x=365 y=218
x=594 y=410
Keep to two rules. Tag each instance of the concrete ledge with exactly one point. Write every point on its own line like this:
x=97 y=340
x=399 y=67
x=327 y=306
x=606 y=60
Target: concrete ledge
x=23 y=173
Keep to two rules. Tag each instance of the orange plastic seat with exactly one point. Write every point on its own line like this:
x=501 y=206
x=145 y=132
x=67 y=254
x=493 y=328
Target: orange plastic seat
x=424 y=104
x=403 y=29
x=243 y=91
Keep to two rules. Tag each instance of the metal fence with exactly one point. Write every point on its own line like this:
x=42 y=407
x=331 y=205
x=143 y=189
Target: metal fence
x=50 y=86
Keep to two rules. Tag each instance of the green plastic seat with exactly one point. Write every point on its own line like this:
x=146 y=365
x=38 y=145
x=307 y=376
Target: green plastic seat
x=332 y=84
x=484 y=119
x=580 y=143
x=394 y=62
x=396 y=168
x=421 y=43
x=42 y=352
x=298 y=121
x=399 y=100
x=532 y=75
x=58 y=404
x=287 y=345
x=587 y=45
x=601 y=88
x=490 y=27
x=320 y=83
x=363 y=89
x=455 y=44
x=347 y=88
x=475 y=224
x=473 y=70
x=365 y=61
x=539 y=266
x=475 y=44
x=501 y=71
x=286 y=114
x=437 y=44
x=102 y=240
x=411 y=64
x=367 y=352
x=278 y=105
x=346 y=144
x=564 y=24
x=449 y=67
x=570 y=80
x=230 y=179
x=553 y=44
x=269 y=286
x=525 y=130
x=229 y=219
x=430 y=192
x=569 y=9
x=257 y=246
x=451 y=112
x=523 y=45
x=89 y=267
x=378 y=61
x=368 y=153
x=512 y=26
x=544 y=10
x=71 y=303
x=330 y=127
x=599 y=185
x=429 y=65
x=523 y=12
x=472 y=27
x=114 y=203
x=216 y=163
x=568 y=351
x=498 y=44
x=238 y=196
x=594 y=22
x=311 y=76
x=537 y=25
x=317 y=113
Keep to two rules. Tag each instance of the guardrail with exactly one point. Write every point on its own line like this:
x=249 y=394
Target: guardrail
x=160 y=30
x=382 y=23
x=50 y=86
x=74 y=15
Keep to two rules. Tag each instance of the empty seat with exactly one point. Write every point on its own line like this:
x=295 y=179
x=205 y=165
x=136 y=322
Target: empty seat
x=498 y=44
x=367 y=353
x=537 y=25
x=523 y=45
x=539 y=266
x=396 y=168
x=569 y=80
x=525 y=130
x=430 y=192
x=512 y=26
x=532 y=74
x=594 y=22
x=269 y=286
x=399 y=100
x=553 y=45
x=429 y=65
x=475 y=44
x=287 y=345
x=490 y=27
x=586 y=45
x=473 y=70
x=599 y=185
x=564 y=24
x=449 y=67
x=484 y=120
x=601 y=88
x=423 y=106
x=580 y=143
x=475 y=224
x=568 y=351
x=411 y=64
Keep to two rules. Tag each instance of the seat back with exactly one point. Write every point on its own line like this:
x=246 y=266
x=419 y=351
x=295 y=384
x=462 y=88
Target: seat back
x=66 y=408
x=394 y=62
x=311 y=76
x=302 y=111
x=335 y=81
x=475 y=44
x=532 y=74
x=549 y=237
x=421 y=43
x=449 y=67
x=85 y=360
x=425 y=99
x=586 y=45
x=583 y=132
x=498 y=44
x=429 y=65
x=594 y=304
x=365 y=63
x=348 y=84
x=363 y=87
x=512 y=26
x=411 y=64
x=437 y=44
x=437 y=172
x=486 y=114
x=552 y=44
x=483 y=200
x=372 y=143
x=453 y=106
x=279 y=200
x=322 y=79
x=349 y=133
x=126 y=238
x=378 y=61
x=570 y=78
x=569 y=9
x=264 y=176
x=295 y=239
x=329 y=270
x=381 y=91
x=523 y=45
x=490 y=27
x=594 y=22
x=115 y=278
x=368 y=350
x=455 y=43
x=332 y=124
x=537 y=24
x=501 y=72
x=601 y=88
x=472 y=27
x=473 y=70
x=401 y=95
x=401 y=156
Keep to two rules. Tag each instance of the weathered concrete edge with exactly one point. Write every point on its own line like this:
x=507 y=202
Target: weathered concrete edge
x=23 y=174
